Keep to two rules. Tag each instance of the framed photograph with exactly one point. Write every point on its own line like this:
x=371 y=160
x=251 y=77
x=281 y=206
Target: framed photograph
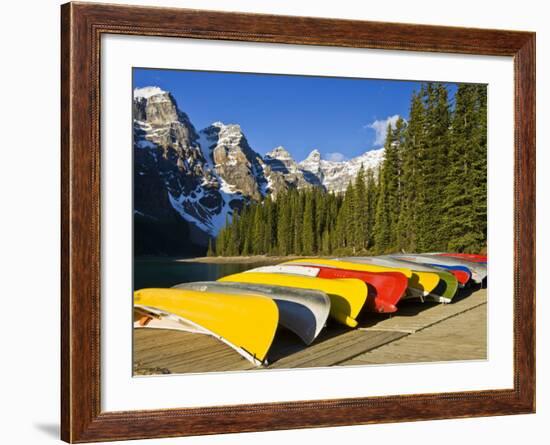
x=274 y=222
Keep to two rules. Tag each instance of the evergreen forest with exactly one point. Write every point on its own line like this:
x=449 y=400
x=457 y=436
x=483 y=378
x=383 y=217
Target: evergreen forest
x=429 y=193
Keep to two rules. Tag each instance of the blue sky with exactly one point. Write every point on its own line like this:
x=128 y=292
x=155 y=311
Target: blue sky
x=340 y=117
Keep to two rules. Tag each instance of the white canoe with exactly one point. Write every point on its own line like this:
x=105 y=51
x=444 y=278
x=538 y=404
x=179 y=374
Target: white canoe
x=479 y=271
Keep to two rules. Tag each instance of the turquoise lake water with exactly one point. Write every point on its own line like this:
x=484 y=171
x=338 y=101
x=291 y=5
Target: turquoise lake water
x=162 y=272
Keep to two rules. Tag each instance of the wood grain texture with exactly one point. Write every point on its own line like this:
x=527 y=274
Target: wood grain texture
x=82 y=27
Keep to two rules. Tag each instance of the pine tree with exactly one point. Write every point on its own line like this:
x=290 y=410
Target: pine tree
x=233 y=247
x=296 y=222
x=371 y=204
x=361 y=210
x=269 y=233
x=478 y=154
x=333 y=218
x=435 y=163
x=320 y=216
x=283 y=225
x=341 y=230
x=326 y=248
x=393 y=179
x=258 y=229
x=458 y=200
x=223 y=238
x=349 y=217
x=465 y=195
x=308 y=226
x=412 y=181
x=210 y=251
x=387 y=188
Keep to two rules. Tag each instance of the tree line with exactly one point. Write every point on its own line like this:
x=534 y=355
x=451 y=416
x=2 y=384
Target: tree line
x=429 y=193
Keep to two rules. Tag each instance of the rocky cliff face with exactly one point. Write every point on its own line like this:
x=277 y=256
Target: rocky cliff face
x=187 y=183
x=239 y=168
x=175 y=188
x=283 y=172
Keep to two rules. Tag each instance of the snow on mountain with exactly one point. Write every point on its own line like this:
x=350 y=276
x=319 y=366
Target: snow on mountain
x=281 y=161
x=190 y=182
x=335 y=176
x=283 y=172
x=179 y=173
x=147 y=92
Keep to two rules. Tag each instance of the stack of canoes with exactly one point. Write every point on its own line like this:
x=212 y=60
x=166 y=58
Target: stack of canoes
x=245 y=309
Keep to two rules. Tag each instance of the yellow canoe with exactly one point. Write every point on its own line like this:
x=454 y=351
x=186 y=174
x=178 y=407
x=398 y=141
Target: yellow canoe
x=347 y=296
x=246 y=323
x=423 y=282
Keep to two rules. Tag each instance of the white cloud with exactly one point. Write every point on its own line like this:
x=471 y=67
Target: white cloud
x=381 y=126
x=335 y=157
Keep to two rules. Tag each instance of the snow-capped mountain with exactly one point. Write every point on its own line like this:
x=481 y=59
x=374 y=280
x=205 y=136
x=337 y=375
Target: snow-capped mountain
x=188 y=183
x=336 y=175
x=178 y=186
x=283 y=172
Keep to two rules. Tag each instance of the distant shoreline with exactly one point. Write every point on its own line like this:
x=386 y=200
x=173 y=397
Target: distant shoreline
x=239 y=259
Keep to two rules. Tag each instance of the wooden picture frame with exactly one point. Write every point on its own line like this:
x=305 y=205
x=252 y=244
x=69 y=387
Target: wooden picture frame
x=82 y=26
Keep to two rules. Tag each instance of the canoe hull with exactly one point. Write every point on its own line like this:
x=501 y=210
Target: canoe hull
x=478 y=270
x=421 y=282
x=303 y=312
x=347 y=296
x=467 y=256
x=385 y=288
x=246 y=323
x=462 y=274
x=343 y=263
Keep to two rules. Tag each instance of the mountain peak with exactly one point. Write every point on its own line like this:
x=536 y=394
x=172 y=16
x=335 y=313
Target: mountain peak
x=221 y=125
x=313 y=156
x=147 y=92
x=280 y=153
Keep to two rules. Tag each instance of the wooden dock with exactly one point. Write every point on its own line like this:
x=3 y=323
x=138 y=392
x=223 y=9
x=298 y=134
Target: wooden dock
x=418 y=332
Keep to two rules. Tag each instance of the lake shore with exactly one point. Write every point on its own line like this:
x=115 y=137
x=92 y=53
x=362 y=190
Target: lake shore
x=240 y=259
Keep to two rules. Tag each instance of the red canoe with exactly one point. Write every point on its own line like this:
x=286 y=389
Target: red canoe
x=460 y=275
x=467 y=256
x=385 y=288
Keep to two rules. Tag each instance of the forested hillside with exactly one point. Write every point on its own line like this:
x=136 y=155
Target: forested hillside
x=429 y=194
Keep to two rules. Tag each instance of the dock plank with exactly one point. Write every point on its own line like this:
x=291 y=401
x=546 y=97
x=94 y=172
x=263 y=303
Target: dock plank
x=433 y=343
x=414 y=316
x=344 y=348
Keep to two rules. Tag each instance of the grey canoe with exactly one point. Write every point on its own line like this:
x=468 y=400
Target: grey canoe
x=303 y=312
x=479 y=271
x=388 y=261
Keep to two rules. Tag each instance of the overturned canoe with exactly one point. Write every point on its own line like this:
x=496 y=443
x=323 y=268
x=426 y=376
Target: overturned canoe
x=421 y=283
x=461 y=273
x=467 y=256
x=478 y=270
x=447 y=287
x=385 y=288
x=302 y=311
x=245 y=323
x=347 y=296
x=347 y=263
